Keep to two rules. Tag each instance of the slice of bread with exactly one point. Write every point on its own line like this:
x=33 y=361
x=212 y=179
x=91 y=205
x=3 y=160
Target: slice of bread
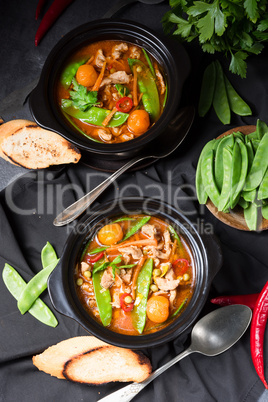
x=24 y=143
x=88 y=360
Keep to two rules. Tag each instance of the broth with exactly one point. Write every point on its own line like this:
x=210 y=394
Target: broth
x=136 y=275
x=111 y=91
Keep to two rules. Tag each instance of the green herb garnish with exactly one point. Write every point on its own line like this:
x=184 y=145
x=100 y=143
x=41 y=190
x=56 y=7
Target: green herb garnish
x=81 y=98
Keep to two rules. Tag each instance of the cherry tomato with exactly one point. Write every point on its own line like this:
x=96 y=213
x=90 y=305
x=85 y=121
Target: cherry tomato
x=158 y=309
x=181 y=264
x=86 y=75
x=138 y=121
x=124 y=305
x=94 y=258
x=110 y=234
x=124 y=104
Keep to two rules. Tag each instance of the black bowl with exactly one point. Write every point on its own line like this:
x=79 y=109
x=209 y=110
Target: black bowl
x=171 y=56
x=61 y=285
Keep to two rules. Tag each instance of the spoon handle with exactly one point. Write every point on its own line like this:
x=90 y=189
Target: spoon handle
x=78 y=207
x=116 y=7
x=127 y=393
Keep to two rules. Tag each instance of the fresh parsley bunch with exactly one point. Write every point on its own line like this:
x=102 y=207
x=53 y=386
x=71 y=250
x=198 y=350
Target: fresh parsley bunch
x=82 y=98
x=232 y=27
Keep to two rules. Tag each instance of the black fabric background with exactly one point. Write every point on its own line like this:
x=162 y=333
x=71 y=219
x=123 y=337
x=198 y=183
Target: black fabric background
x=228 y=377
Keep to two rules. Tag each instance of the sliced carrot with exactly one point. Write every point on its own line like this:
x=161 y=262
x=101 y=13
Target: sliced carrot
x=136 y=274
x=173 y=250
x=100 y=78
x=135 y=87
x=90 y=60
x=109 y=117
x=138 y=243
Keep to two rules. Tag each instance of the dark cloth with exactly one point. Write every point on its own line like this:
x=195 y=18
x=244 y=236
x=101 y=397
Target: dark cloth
x=30 y=203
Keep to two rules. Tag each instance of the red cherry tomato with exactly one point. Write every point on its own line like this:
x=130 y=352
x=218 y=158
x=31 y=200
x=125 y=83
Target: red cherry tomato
x=182 y=264
x=124 y=104
x=126 y=306
x=94 y=258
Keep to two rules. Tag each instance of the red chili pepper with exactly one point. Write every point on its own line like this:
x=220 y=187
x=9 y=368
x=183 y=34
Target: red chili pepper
x=124 y=104
x=54 y=11
x=126 y=306
x=259 y=319
x=247 y=300
x=94 y=258
x=182 y=264
x=39 y=8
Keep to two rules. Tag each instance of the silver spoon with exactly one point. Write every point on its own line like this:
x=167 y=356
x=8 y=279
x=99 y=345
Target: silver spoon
x=122 y=3
x=212 y=335
x=177 y=131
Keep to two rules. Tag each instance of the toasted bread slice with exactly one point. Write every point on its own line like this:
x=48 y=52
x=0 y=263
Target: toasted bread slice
x=86 y=359
x=108 y=364
x=24 y=143
x=53 y=359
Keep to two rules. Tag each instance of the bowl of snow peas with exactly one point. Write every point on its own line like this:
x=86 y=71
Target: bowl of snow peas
x=135 y=273
x=232 y=177
x=111 y=88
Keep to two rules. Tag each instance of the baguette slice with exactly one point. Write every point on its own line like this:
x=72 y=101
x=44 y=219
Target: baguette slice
x=24 y=143
x=88 y=360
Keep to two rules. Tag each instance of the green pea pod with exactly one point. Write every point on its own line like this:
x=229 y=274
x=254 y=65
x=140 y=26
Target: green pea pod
x=103 y=299
x=261 y=129
x=142 y=290
x=249 y=196
x=220 y=99
x=15 y=284
x=149 y=62
x=133 y=229
x=237 y=104
x=238 y=186
x=264 y=211
x=95 y=115
x=69 y=72
x=236 y=172
x=76 y=127
x=259 y=165
x=200 y=189
x=98 y=250
x=243 y=204
x=147 y=86
x=251 y=216
x=263 y=189
x=125 y=218
x=48 y=255
x=207 y=170
x=174 y=234
x=252 y=136
x=239 y=135
x=207 y=89
x=226 y=185
x=227 y=141
x=255 y=144
x=250 y=152
x=35 y=287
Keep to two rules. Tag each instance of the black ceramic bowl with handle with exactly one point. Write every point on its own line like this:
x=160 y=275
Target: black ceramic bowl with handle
x=171 y=56
x=61 y=284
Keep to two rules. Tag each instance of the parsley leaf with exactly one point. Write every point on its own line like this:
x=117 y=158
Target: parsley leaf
x=81 y=98
x=238 y=64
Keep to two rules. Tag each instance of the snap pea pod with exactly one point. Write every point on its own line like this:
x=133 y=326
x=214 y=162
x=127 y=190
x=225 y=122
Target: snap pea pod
x=227 y=141
x=98 y=250
x=252 y=136
x=220 y=99
x=70 y=70
x=237 y=104
x=250 y=152
x=264 y=211
x=261 y=129
x=77 y=128
x=255 y=144
x=103 y=299
x=239 y=135
x=263 y=189
x=251 y=216
x=133 y=229
x=138 y=314
x=226 y=185
x=123 y=219
x=242 y=163
x=15 y=284
x=249 y=196
x=243 y=204
x=95 y=115
x=149 y=62
x=148 y=88
x=200 y=189
x=48 y=255
x=259 y=165
x=174 y=234
x=207 y=90
x=207 y=169
x=35 y=287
